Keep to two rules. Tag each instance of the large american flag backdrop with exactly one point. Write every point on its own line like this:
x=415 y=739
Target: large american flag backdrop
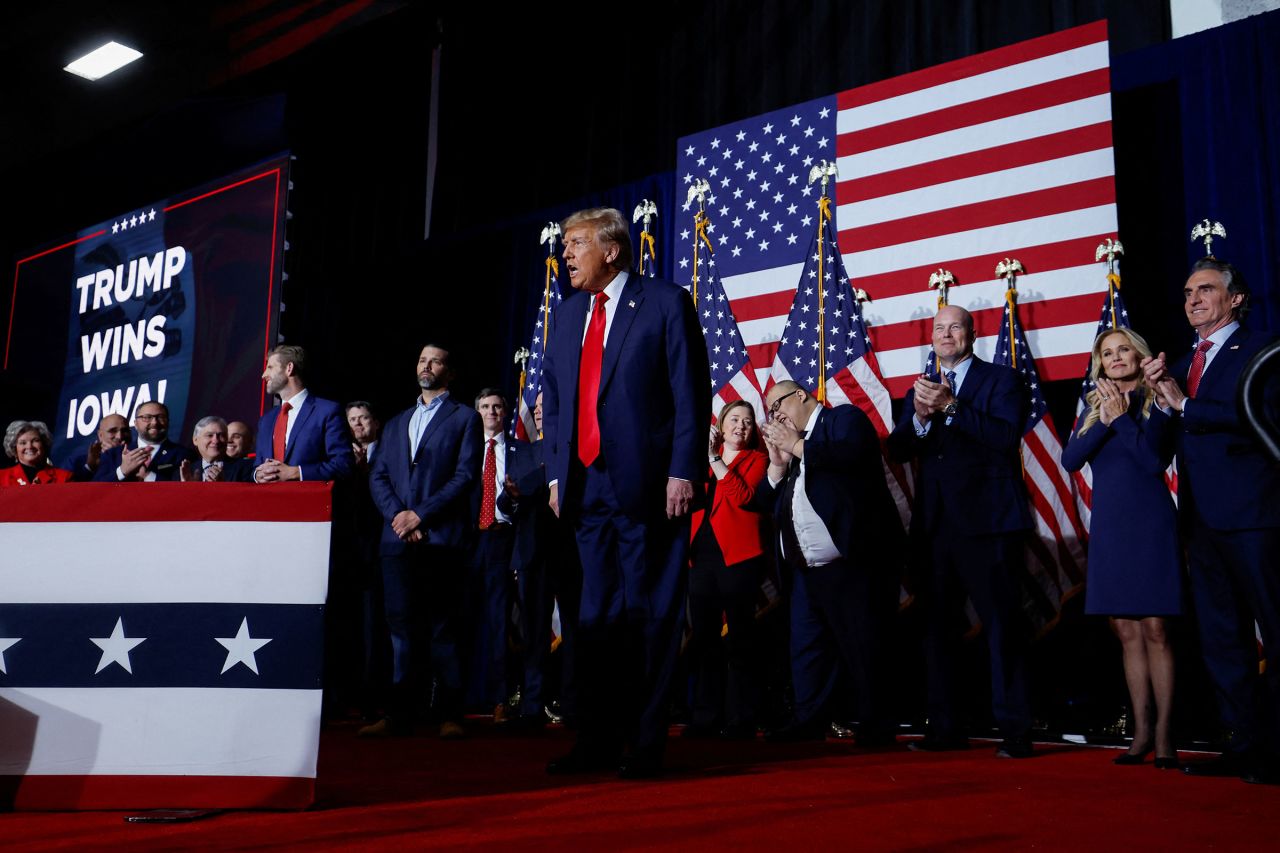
x=1006 y=153
x=160 y=645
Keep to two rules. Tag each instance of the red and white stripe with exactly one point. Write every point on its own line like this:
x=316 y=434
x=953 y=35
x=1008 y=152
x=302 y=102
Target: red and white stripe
x=1058 y=563
x=1006 y=153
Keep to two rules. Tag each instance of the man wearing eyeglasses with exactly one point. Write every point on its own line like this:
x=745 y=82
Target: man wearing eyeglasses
x=843 y=544
x=968 y=526
x=154 y=458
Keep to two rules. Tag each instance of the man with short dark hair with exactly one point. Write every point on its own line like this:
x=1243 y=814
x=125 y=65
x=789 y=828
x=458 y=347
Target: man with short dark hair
x=968 y=528
x=239 y=440
x=1227 y=500
x=491 y=563
x=156 y=458
x=113 y=431
x=305 y=437
x=423 y=474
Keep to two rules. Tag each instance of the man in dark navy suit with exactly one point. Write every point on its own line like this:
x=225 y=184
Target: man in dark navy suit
x=548 y=574
x=427 y=463
x=968 y=526
x=305 y=437
x=211 y=464
x=1227 y=498
x=113 y=431
x=626 y=402
x=843 y=544
x=491 y=581
x=154 y=459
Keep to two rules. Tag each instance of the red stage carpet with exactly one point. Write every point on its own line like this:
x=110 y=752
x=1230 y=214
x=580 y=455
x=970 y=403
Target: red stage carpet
x=490 y=791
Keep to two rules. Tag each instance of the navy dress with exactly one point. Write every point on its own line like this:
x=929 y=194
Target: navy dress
x=1135 y=563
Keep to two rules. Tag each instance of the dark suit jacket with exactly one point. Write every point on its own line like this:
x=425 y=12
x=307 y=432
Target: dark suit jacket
x=435 y=481
x=233 y=470
x=969 y=473
x=515 y=453
x=529 y=512
x=318 y=442
x=79 y=468
x=165 y=464
x=654 y=399
x=845 y=482
x=1223 y=475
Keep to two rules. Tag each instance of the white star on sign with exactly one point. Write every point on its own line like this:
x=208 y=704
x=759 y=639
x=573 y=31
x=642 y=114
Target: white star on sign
x=116 y=648
x=5 y=644
x=241 y=647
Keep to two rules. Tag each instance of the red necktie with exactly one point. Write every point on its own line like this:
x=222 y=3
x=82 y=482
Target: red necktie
x=589 y=384
x=489 y=492
x=1197 y=367
x=277 y=435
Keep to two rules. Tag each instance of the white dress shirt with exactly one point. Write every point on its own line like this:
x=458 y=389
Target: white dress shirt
x=614 y=291
x=816 y=545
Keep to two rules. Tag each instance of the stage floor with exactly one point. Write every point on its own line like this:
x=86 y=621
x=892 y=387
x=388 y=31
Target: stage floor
x=490 y=791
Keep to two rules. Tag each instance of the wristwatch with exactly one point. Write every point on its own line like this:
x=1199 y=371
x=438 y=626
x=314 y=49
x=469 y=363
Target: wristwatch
x=950 y=408
x=715 y=459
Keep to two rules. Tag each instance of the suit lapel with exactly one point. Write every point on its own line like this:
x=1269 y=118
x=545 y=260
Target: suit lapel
x=1223 y=360
x=624 y=315
x=304 y=413
x=446 y=410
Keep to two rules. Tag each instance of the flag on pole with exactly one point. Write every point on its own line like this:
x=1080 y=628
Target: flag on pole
x=647 y=253
x=531 y=370
x=1056 y=557
x=732 y=376
x=825 y=346
x=1008 y=150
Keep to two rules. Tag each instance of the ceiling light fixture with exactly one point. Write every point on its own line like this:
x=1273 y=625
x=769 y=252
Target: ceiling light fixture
x=101 y=62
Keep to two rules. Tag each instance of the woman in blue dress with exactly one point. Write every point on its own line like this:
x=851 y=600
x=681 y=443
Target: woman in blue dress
x=1135 y=564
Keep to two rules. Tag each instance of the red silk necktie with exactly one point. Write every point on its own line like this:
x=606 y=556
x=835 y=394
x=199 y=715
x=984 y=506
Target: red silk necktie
x=277 y=434
x=489 y=492
x=1197 y=368
x=589 y=385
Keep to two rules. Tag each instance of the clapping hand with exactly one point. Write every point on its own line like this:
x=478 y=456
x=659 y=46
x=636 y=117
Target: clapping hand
x=1112 y=402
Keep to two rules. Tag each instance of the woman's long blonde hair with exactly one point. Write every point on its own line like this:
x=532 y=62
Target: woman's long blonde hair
x=1094 y=399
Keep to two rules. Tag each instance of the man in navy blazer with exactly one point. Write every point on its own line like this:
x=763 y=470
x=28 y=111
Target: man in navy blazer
x=844 y=544
x=1227 y=499
x=968 y=527
x=154 y=459
x=305 y=437
x=490 y=587
x=427 y=463
x=626 y=400
x=113 y=431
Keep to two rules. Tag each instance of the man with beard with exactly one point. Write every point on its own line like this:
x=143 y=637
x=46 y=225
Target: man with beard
x=305 y=437
x=424 y=470
x=113 y=431
x=156 y=458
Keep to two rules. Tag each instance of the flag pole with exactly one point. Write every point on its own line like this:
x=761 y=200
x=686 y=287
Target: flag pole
x=1109 y=249
x=1008 y=269
x=824 y=171
x=699 y=190
x=646 y=210
x=942 y=279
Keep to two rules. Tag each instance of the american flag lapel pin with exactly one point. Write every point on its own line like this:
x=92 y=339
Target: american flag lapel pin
x=631 y=304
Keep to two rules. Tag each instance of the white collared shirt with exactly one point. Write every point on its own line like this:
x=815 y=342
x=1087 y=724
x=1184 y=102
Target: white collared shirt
x=151 y=475
x=500 y=460
x=614 y=291
x=816 y=545
x=295 y=403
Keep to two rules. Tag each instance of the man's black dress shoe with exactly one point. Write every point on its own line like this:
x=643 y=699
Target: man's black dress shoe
x=1014 y=747
x=579 y=760
x=876 y=740
x=931 y=743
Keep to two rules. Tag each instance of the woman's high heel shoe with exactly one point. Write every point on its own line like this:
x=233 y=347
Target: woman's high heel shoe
x=1131 y=758
x=1167 y=762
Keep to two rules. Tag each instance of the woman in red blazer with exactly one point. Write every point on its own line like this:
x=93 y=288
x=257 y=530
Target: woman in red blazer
x=29 y=443
x=728 y=561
